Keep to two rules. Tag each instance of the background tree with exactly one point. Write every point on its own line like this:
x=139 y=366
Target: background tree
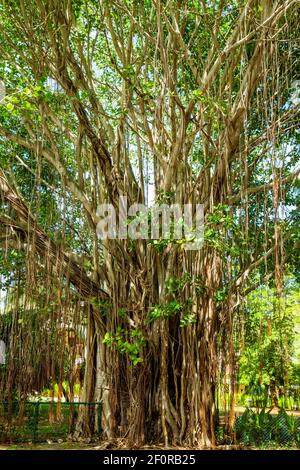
x=268 y=339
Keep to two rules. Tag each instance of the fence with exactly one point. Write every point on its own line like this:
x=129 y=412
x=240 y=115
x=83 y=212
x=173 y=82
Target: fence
x=40 y=421
x=55 y=421
x=261 y=428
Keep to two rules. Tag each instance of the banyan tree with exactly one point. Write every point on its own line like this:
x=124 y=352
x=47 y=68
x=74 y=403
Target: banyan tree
x=164 y=102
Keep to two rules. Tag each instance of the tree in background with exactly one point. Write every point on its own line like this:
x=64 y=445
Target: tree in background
x=268 y=338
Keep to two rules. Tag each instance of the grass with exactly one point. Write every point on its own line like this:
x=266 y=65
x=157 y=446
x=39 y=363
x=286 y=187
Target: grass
x=52 y=446
x=35 y=425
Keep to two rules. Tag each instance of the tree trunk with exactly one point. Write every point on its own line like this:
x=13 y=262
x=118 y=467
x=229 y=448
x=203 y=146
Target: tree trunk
x=86 y=417
x=170 y=396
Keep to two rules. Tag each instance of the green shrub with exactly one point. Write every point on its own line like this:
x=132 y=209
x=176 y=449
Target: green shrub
x=263 y=429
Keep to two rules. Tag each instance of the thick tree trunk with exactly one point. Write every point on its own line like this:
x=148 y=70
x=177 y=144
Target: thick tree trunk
x=158 y=400
x=170 y=397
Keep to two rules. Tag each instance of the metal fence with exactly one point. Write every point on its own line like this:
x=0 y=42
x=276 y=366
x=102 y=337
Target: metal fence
x=54 y=422
x=264 y=429
x=40 y=421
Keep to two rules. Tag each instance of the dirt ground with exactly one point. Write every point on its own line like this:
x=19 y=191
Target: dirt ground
x=99 y=448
